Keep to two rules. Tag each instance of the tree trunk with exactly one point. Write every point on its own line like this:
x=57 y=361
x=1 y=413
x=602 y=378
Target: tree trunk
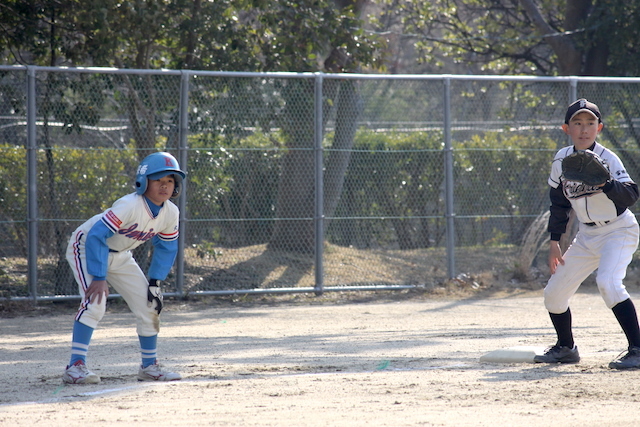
x=570 y=59
x=293 y=230
x=349 y=107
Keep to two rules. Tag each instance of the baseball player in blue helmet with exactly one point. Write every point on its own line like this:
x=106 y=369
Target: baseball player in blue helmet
x=606 y=240
x=99 y=253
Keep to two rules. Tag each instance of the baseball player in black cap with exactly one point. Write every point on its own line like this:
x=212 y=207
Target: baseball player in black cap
x=606 y=240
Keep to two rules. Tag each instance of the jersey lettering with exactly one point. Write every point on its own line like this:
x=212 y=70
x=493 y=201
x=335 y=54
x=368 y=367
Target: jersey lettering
x=141 y=236
x=576 y=190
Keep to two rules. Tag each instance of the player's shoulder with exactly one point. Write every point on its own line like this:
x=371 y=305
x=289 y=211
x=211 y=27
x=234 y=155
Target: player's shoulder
x=129 y=198
x=604 y=152
x=613 y=162
x=127 y=203
x=564 y=152
x=171 y=207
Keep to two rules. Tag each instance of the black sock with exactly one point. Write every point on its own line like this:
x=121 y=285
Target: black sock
x=626 y=314
x=562 y=325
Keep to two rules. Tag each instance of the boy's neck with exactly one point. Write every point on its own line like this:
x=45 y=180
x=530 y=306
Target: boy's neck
x=155 y=209
x=151 y=202
x=590 y=147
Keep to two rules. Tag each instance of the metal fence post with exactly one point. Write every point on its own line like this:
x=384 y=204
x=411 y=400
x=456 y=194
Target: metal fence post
x=573 y=90
x=573 y=95
x=182 y=158
x=32 y=185
x=319 y=193
x=448 y=169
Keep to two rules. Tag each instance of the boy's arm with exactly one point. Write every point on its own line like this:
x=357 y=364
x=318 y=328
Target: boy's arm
x=559 y=213
x=164 y=255
x=97 y=250
x=555 y=256
x=558 y=219
x=623 y=194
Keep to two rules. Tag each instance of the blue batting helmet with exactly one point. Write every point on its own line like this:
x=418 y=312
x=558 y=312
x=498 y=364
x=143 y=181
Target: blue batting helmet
x=155 y=166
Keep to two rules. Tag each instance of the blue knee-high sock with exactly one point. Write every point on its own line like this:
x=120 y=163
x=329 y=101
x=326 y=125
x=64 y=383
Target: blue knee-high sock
x=80 y=342
x=148 y=349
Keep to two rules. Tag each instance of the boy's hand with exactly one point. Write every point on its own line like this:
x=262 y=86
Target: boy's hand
x=154 y=295
x=555 y=256
x=97 y=289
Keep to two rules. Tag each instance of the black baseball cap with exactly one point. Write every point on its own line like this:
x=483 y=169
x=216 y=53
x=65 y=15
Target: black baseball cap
x=582 y=106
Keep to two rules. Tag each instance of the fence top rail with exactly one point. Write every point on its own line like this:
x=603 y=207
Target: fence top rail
x=342 y=76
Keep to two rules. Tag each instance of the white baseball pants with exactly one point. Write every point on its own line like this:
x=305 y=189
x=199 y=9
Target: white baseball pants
x=609 y=248
x=125 y=277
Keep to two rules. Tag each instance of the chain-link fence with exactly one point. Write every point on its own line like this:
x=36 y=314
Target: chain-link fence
x=296 y=182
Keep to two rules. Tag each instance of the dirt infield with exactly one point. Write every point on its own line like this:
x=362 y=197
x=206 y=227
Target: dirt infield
x=411 y=362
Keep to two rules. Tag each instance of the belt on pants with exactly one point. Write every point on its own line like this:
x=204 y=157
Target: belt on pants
x=593 y=224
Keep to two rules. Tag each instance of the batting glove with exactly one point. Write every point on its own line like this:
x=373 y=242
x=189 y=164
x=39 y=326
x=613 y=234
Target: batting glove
x=154 y=294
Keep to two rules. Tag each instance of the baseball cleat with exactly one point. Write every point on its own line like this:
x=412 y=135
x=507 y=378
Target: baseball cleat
x=630 y=360
x=558 y=354
x=155 y=373
x=78 y=373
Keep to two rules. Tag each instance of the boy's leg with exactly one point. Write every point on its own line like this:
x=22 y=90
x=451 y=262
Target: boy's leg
x=564 y=351
x=562 y=325
x=617 y=248
x=81 y=338
x=128 y=280
x=148 y=349
x=626 y=315
x=562 y=285
x=86 y=318
x=77 y=371
x=579 y=263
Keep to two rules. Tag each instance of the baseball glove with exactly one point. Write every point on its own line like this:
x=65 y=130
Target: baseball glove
x=154 y=295
x=585 y=166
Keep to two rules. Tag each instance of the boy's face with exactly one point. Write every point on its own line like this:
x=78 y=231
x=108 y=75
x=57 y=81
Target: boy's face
x=160 y=190
x=583 y=129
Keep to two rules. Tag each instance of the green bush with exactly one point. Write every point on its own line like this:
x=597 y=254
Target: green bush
x=396 y=176
x=232 y=180
x=392 y=196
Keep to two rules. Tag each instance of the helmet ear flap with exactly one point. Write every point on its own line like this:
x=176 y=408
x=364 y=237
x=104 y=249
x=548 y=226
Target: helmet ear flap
x=141 y=184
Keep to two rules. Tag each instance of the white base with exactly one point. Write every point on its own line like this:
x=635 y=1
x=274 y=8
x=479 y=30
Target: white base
x=519 y=354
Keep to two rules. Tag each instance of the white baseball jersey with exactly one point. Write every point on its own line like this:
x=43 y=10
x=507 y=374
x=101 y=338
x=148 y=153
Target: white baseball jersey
x=94 y=252
x=590 y=204
x=133 y=222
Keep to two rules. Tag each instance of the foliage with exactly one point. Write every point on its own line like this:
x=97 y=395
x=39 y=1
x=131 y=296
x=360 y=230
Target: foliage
x=97 y=178
x=234 y=179
x=239 y=35
x=614 y=25
x=497 y=167
x=308 y=35
x=13 y=191
x=86 y=183
x=398 y=176
x=538 y=37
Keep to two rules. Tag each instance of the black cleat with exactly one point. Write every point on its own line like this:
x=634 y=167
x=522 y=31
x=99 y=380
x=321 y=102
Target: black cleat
x=559 y=354
x=630 y=360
